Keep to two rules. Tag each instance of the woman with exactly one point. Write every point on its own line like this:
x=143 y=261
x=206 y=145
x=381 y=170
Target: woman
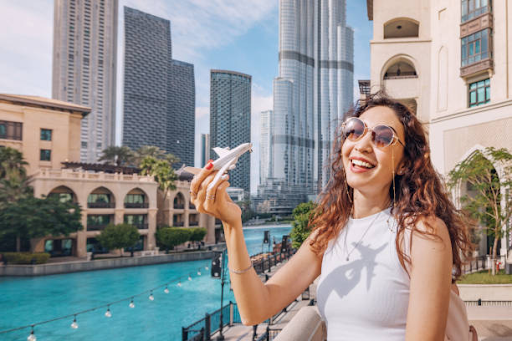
x=386 y=238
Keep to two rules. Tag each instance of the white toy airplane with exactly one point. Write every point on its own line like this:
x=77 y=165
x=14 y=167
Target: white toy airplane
x=226 y=161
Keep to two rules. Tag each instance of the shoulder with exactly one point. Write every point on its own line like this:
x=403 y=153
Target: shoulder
x=430 y=238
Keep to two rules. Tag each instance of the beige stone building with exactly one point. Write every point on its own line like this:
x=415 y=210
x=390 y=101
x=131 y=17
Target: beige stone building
x=47 y=132
x=451 y=59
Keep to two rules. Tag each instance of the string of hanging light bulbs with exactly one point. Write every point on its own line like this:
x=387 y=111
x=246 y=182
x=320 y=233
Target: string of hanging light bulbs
x=108 y=313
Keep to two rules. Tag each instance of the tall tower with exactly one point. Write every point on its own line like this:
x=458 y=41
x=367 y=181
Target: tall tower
x=266 y=128
x=314 y=87
x=84 y=67
x=230 y=119
x=159 y=92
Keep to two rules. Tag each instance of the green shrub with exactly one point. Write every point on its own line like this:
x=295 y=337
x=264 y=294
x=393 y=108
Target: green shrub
x=25 y=257
x=197 y=234
x=118 y=236
x=169 y=237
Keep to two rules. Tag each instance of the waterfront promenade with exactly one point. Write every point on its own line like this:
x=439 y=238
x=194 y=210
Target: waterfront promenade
x=493 y=323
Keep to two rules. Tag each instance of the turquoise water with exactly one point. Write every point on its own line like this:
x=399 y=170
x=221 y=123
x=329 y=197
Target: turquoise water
x=30 y=300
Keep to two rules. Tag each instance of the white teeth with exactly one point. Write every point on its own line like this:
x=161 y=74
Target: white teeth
x=362 y=164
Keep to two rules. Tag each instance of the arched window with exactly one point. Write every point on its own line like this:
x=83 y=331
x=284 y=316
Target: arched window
x=136 y=198
x=65 y=194
x=101 y=197
x=401 y=69
x=401 y=28
x=179 y=201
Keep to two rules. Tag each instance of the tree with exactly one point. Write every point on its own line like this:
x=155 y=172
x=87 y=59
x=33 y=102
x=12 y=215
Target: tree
x=118 y=236
x=119 y=156
x=484 y=201
x=14 y=183
x=197 y=234
x=300 y=224
x=169 y=237
x=32 y=217
x=155 y=152
x=161 y=170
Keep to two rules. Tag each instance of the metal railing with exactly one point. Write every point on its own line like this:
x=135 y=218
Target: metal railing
x=101 y=205
x=136 y=205
x=96 y=227
x=476 y=264
x=269 y=334
x=179 y=206
x=141 y=226
x=210 y=324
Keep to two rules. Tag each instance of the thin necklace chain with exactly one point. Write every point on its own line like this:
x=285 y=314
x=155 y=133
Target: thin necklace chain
x=360 y=239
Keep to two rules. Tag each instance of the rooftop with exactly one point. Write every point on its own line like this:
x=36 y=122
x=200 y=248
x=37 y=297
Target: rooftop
x=45 y=103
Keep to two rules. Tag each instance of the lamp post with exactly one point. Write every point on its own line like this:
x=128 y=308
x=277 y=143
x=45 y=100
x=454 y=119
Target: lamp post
x=222 y=281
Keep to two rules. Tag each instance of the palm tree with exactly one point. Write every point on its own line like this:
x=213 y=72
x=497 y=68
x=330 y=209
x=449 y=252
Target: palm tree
x=119 y=156
x=155 y=152
x=162 y=171
x=11 y=162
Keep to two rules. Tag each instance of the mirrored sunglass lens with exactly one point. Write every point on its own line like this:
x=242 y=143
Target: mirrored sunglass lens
x=383 y=136
x=354 y=129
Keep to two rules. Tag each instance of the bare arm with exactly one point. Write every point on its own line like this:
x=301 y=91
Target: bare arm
x=431 y=269
x=256 y=301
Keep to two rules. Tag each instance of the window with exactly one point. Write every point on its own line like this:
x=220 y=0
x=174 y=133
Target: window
x=45 y=155
x=46 y=134
x=11 y=130
x=475 y=47
x=479 y=92
x=473 y=8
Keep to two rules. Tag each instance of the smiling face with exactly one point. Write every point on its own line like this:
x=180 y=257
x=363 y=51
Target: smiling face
x=369 y=169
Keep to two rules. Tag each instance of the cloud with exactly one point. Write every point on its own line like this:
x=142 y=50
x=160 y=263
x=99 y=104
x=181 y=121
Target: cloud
x=26 y=47
x=202 y=112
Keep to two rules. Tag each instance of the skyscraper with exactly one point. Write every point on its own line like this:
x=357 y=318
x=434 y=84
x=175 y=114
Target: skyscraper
x=266 y=128
x=84 y=67
x=230 y=119
x=205 y=149
x=159 y=92
x=313 y=90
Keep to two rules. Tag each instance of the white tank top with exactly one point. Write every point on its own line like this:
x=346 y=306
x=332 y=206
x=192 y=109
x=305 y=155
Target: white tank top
x=366 y=297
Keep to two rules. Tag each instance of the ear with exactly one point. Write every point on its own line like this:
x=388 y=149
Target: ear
x=402 y=167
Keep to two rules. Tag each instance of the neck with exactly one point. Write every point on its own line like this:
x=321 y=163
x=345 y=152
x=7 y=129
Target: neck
x=366 y=204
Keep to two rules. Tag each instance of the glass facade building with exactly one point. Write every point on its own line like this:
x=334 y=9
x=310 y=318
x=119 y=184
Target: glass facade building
x=159 y=92
x=84 y=68
x=230 y=120
x=313 y=90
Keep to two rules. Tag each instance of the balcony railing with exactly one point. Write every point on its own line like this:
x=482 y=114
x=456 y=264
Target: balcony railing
x=178 y=224
x=136 y=205
x=96 y=227
x=179 y=206
x=193 y=223
x=141 y=226
x=101 y=205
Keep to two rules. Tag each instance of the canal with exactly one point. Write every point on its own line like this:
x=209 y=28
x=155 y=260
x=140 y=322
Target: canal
x=29 y=300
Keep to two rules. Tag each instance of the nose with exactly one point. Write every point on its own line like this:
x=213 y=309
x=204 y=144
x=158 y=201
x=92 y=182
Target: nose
x=364 y=144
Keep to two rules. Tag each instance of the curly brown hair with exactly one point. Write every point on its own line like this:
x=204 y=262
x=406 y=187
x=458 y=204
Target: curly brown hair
x=420 y=192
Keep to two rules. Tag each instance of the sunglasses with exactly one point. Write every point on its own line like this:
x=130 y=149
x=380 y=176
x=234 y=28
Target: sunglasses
x=382 y=135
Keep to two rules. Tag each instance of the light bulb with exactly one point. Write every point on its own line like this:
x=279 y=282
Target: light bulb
x=179 y=284
x=32 y=336
x=206 y=268
x=166 y=290
x=74 y=325
x=108 y=313
x=199 y=273
x=189 y=278
x=151 y=297
x=132 y=305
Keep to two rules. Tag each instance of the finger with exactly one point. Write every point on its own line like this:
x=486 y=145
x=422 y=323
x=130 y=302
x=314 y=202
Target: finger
x=198 y=179
x=222 y=195
x=201 y=193
x=212 y=190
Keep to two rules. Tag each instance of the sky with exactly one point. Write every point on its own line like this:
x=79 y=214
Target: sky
x=238 y=35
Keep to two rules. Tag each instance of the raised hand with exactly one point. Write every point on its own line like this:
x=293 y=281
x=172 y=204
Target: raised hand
x=214 y=201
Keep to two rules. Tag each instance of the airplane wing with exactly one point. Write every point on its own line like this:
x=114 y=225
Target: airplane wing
x=192 y=170
x=221 y=151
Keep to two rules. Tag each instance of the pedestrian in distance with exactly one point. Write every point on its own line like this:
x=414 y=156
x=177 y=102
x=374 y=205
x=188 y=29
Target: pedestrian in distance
x=386 y=240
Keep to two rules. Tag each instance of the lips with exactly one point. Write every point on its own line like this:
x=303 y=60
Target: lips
x=360 y=163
